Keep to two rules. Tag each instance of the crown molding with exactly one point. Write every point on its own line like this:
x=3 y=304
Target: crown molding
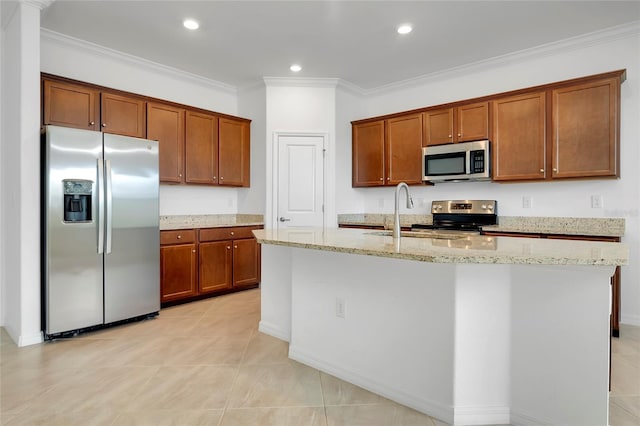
x=125 y=58
x=554 y=48
x=40 y=4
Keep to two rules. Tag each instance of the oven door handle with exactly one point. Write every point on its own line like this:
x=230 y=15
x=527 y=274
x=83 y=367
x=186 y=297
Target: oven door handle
x=468 y=162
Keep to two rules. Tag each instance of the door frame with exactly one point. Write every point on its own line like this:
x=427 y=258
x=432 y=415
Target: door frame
x=276 y=172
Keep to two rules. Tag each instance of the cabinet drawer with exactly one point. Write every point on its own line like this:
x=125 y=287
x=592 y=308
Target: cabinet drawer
x=177 y=237
x=232 y=233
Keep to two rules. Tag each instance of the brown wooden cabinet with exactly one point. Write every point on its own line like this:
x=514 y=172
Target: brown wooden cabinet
x=70 y=105
x=231 y=259
x=518 y=142
x=234 y=152
x=585 y=129
x=208 y=261
x=457 y=124
x=388 y=152
x=201 y=148
x=122 y=115
x=165 y=123
x=368 y=154
x=178 y=265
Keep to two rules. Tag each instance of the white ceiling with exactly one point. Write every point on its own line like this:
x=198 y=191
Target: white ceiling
x=239 y=42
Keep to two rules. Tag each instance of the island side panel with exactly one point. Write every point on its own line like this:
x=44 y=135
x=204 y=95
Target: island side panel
x=482 y=346
x=396 y=338
x=275 y=293
x=560 y=344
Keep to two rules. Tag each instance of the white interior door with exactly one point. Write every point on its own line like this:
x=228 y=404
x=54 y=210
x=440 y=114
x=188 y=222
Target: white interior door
x=300 y=187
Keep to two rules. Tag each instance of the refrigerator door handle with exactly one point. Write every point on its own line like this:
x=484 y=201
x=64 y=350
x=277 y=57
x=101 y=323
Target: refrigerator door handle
x=100 y=189
x=109 y=205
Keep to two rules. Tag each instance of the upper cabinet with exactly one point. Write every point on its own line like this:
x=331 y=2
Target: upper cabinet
x=564 y=130
x=233 y=152
x=201 y=148
x=387 y=152
x=195 y=146
x=70 y=105
x=518 y=148
x=585 y=129
x=165 y=123
x=457 y=124
x=122 y=115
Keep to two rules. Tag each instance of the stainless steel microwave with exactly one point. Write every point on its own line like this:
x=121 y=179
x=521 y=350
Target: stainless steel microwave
x=456 y=161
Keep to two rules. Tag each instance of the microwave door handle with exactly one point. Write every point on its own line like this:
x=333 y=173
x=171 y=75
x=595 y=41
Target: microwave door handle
x=468 y=162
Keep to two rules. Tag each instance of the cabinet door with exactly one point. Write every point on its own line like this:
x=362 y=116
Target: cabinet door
x=69 y=105
x=178 y=272
x=165 y=124
x=472 y=122
x=233 y=149
x=368 y=154
x=518 y=141
x=216 y=266
x=585 y=130
x=438 y=127
x=122 y=115
x=201 y=148
x=404 y=149
x=246 y=262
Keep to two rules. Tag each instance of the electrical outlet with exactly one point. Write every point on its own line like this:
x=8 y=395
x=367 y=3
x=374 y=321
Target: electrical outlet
x=340 y=307
x=596 y=201
x=527 y=202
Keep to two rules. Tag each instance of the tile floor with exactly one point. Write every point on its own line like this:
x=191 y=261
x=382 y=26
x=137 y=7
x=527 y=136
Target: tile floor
x=205 y=363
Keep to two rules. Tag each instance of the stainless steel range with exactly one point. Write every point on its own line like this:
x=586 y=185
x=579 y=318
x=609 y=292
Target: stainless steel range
x=460 y=216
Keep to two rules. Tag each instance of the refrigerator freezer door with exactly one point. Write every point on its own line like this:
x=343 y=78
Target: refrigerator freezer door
x=73 y=265
x=132 y=267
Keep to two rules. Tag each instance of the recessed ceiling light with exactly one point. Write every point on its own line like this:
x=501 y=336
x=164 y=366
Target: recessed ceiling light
x=295 y=68
x=404 y=29
x=191 y=24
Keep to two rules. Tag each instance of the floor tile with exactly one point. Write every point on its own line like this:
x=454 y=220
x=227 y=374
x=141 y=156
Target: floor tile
x=339 y=392
x=631 y=404
x=375 y=415
x=282 y=416
x=265 y=349
x=48 y=418
x=276 y=385
x=618 y=416
x=170 y=417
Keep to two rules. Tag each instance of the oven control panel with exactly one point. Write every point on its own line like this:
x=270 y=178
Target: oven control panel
x=465 y=206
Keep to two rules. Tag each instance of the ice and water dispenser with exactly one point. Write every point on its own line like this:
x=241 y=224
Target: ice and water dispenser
x=77 y=200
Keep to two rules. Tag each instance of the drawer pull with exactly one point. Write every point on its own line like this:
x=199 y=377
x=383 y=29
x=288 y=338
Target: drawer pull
x=179 y=236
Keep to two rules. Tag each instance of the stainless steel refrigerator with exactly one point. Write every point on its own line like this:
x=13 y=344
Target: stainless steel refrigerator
x=100 y=257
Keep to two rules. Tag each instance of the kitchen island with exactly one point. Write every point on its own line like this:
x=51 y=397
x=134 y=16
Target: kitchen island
x=473 y=330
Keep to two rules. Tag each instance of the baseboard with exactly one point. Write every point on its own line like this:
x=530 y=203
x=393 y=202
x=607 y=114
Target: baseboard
x=630 y=320
x=275 y=331
x=30 y=339
x=431 y=408
x=482 y=416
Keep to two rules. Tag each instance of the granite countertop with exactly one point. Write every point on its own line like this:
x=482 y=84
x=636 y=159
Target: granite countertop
x=209 y=221
x=469 y=249
x=600 y=227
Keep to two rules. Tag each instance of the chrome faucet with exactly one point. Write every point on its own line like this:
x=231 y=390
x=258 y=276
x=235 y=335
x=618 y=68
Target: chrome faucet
x=396 y=220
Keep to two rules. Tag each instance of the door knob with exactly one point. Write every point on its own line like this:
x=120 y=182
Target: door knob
x=284 y=219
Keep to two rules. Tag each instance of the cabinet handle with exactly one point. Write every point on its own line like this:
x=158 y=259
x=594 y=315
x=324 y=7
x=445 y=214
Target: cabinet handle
x=91 y=123
x=388 y=178
x=221 y=177
x=232 y=233
x=179 y=174
x=459 y=134
x=541 y=170
x=193 y=251
x=228 y=247
x=555 y=169
x=104 y=124
x=235 y=247
x=214 y=177
x=449 y=136
x=381 y=178
x=179 y=236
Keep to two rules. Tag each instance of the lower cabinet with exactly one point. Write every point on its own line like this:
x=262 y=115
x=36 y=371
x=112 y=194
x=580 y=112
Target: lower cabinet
x=200 y=262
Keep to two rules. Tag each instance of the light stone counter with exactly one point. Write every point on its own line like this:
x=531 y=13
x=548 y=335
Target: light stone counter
x=609 y=227
x=209 y=221
x=471 y=249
